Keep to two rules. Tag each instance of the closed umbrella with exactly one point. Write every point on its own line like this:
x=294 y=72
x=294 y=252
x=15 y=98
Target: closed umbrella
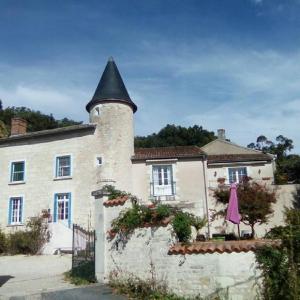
x=233 y=207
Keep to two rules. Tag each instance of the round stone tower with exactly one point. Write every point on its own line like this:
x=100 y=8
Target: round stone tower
x=112 y=110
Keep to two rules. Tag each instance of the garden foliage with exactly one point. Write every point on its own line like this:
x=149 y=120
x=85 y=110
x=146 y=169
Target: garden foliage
x=28 y=241
x=255 y=202
x=281 y=266
x=141 y=215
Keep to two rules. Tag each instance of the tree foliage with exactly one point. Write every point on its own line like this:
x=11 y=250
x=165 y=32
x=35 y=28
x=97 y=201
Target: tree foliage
x=281 y=266
x=36 y=120
x=255 y=202
x=172 y=135
x=278 y=148
x=287 y=165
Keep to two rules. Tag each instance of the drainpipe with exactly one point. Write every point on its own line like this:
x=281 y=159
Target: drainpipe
x=206 y=196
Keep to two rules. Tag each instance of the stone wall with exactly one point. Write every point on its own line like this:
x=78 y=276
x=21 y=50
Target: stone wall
x=145 y=254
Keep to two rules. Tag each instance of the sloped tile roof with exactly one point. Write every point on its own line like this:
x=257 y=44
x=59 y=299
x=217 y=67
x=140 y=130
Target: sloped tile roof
x=222 y=246
x=223 y=158
x=168 y=152
x=116 y=201
x=48 y=132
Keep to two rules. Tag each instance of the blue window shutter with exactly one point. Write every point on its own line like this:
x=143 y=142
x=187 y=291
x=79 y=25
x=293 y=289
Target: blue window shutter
x=21 y=210
x=70 y=210
x=55 y=209
x=9 y=211
x=56 y=167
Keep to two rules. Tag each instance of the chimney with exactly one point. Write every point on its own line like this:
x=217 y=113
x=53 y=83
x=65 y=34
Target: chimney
x=221 y=134
x=18 y=126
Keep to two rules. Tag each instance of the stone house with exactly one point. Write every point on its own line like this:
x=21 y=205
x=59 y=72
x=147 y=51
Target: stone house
x=58 y=169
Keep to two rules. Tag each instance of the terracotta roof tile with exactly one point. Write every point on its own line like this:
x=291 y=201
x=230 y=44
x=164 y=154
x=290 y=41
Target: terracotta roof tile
x=116 y=201
x=168 y=152
x=238 y=157
x=222 y=246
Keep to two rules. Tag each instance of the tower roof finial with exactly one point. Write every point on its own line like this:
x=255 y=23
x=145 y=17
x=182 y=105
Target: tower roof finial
x=111 y=88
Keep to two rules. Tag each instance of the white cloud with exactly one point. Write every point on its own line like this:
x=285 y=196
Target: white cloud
x=245 y=91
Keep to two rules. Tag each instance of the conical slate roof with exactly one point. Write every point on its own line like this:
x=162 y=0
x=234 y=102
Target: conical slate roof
x=111 y=88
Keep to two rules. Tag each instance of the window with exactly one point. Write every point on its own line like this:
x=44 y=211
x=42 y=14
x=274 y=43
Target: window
x=99 y=161
x=63 y=166
x=237 y=174
x=15 y=210
x=17 y=171
x=62 y=207
x=162 y=184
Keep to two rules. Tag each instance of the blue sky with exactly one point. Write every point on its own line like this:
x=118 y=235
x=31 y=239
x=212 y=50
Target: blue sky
x=231 y=64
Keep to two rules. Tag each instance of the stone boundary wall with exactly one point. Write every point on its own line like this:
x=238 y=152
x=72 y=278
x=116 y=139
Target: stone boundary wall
x=145 y=255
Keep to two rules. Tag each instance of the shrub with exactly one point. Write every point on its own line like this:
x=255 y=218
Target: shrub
x=281 y=267
x=255 y=203
x=136 y=288
x=3 y=242
x=128 y=220
x=163 y=211
x=31 y=240
x=198 y=222
x=182 y=226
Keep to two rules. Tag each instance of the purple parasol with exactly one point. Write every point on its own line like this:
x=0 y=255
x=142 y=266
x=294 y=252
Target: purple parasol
x=233 y=206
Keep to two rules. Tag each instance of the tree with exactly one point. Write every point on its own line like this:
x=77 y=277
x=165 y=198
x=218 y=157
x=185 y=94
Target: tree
x=287 y=165
x=279 y=149
x=255 y=203
x=3 y=130
x=36 y=120
x=172 y=135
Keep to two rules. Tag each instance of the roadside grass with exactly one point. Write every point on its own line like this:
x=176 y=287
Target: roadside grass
x=82 y=275
x=135 y=288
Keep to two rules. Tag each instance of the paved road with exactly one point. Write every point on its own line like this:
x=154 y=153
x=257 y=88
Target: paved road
x=41 y=277
x=93 y=292
x=26 y=275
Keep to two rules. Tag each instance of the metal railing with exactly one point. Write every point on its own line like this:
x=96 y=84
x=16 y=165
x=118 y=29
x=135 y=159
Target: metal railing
x=157 y=190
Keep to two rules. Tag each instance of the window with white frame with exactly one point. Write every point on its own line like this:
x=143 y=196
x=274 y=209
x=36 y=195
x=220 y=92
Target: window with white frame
x=15 y=210
x=237 y=175
x=62 y=206
x=163 y=184
x=17 y=171
x=63 y=166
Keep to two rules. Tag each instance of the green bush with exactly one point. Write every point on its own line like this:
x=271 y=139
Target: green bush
x=182 y=226
x=19 y=242
x=281 y=266
x=28 y=241
x=136 y=288
x=163 y=211
x=3 y=242
x=128 y=220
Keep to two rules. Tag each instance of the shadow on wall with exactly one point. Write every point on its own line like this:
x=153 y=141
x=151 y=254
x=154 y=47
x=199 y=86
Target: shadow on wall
x=4 y=279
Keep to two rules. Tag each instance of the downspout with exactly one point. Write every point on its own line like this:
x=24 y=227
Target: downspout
x=206 y=197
